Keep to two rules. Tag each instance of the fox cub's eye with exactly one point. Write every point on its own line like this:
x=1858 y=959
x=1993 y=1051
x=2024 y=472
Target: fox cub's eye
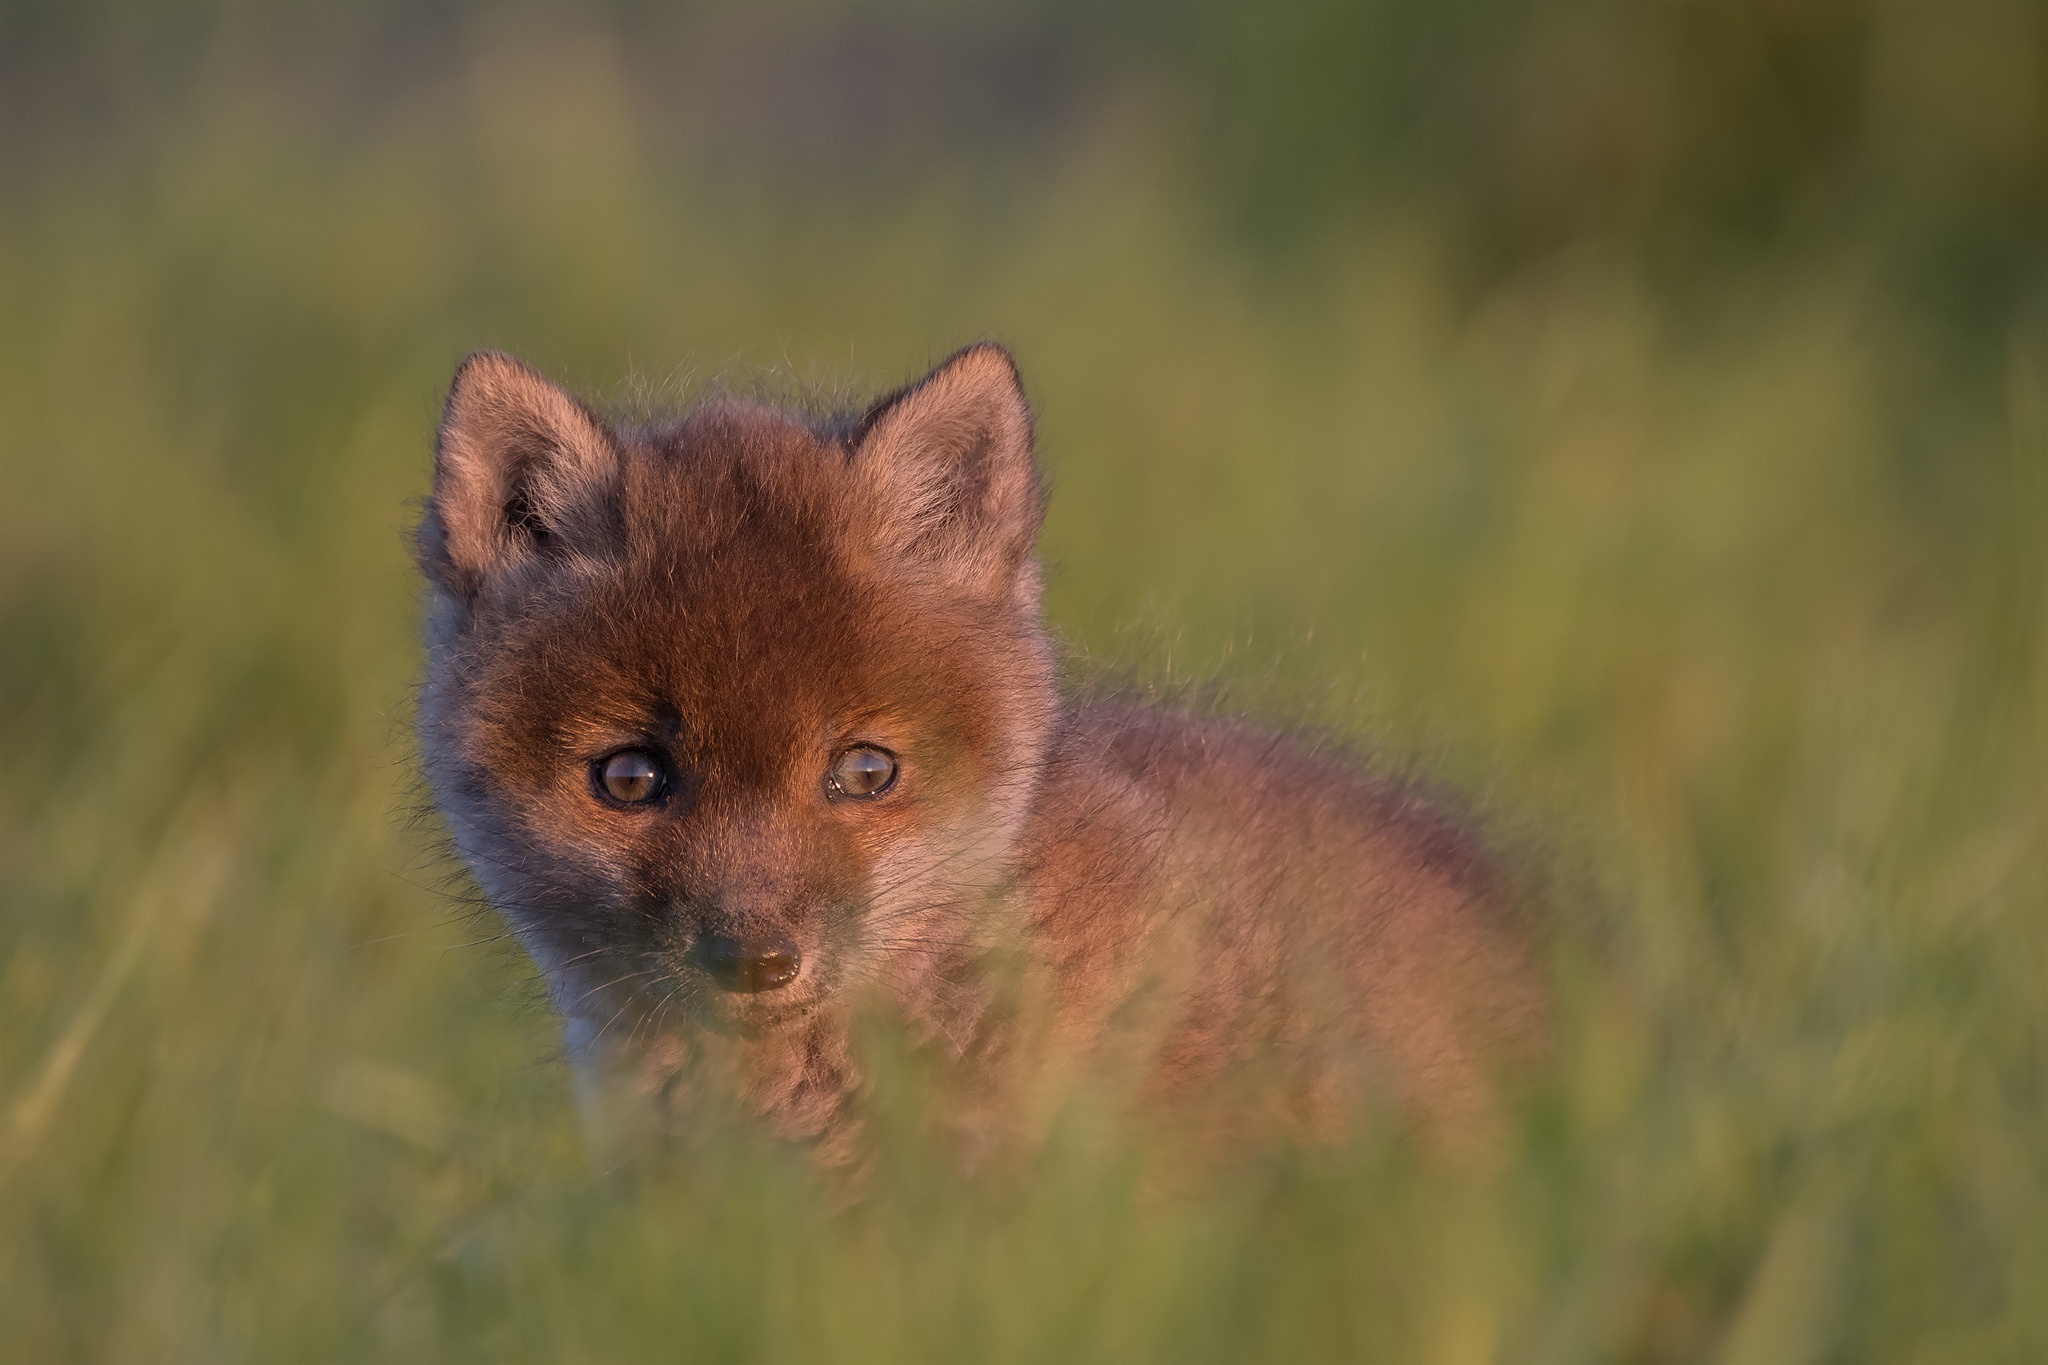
x=631 y=776
x=862 y=771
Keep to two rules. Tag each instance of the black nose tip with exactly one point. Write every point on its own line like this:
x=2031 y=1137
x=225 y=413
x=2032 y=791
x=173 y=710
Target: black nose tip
x=751 y=964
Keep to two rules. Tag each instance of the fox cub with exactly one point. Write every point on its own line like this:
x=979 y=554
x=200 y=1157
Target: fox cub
x=748 y=722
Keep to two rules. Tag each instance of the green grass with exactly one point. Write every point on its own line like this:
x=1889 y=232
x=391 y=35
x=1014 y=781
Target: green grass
x=1718 y=574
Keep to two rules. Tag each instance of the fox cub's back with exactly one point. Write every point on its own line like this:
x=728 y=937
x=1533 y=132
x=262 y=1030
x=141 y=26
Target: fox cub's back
x=746 y=721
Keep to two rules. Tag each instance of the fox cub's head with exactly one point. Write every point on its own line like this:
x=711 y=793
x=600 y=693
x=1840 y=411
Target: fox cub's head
x=734 y=713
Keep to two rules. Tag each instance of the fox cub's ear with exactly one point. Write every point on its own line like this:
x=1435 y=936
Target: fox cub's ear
x=948 y=463
x=520 y=468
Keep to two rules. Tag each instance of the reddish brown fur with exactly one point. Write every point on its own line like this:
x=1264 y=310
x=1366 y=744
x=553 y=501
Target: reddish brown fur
x=744 y=593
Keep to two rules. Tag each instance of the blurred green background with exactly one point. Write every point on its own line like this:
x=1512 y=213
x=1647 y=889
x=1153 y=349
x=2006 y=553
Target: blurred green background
x=1636 y=414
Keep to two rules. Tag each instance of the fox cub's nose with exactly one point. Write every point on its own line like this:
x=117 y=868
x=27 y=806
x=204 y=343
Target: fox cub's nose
x=751 y=964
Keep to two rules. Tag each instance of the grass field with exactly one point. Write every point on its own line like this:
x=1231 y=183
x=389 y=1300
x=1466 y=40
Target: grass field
x=1692 y=514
